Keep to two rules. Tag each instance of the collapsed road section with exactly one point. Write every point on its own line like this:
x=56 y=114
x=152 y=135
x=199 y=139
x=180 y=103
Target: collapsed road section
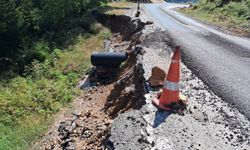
x=208 y=122
x=116 y=111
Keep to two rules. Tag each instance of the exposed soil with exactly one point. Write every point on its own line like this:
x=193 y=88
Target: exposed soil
x=128 y=92
x=120 y=24
x=88 y=126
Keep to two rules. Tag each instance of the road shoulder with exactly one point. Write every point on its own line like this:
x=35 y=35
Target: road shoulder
x=207 y=115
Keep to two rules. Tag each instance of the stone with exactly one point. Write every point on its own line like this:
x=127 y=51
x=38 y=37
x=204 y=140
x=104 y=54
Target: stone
x=157 y=77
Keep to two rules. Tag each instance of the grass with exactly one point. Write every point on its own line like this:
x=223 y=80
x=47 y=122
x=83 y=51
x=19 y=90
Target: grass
x=29 y=102
x=234 y=16
x=13 y=138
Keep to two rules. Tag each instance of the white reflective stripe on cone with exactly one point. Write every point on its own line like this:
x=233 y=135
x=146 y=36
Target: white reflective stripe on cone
x=174 y=61
x=173 y=86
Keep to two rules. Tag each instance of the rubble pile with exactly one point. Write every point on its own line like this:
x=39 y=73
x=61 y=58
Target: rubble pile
x=84 y=128
x=102 y=75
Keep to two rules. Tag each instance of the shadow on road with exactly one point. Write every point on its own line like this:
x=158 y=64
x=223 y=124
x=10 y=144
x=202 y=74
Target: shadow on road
x=160 y=117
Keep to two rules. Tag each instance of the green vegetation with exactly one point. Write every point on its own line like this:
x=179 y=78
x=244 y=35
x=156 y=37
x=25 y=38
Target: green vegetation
x=26 y=24
x=27 y=102
x=44 y=50
x=233 y=15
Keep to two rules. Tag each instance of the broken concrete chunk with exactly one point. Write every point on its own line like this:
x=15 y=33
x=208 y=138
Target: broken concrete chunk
x=157 y=77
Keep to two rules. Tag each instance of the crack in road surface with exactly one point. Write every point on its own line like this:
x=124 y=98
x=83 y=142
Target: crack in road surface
x=208 y=123
x=217 y=58
x=208 y=116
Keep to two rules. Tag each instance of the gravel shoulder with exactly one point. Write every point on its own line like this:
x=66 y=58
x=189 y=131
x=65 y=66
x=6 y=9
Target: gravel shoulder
x=220 y=60
x=208 y=123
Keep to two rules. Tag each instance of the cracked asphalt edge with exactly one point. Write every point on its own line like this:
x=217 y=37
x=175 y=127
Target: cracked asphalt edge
x=208 y=123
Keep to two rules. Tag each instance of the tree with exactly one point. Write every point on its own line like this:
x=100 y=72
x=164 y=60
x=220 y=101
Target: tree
x=24 y=22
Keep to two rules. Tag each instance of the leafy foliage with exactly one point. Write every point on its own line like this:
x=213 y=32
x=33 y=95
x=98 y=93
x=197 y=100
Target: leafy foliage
x=43 y=89
x=23 y=23
x=44 y=49
x=240 y=8
x=231 y=14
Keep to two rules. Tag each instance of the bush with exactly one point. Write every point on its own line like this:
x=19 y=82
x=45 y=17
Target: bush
x=27 y=101
x=43 y=89
x=33 y=97
x=23 y=24
x=236 y=9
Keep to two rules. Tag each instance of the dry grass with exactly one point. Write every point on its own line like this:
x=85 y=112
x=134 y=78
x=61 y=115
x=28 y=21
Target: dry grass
x=120 y=4
x=226 y=20
x=79 y=56
x=119 y=8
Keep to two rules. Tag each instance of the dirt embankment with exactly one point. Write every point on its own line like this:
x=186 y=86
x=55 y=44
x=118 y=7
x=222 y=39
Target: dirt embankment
x=88 y=126
x=128 y=92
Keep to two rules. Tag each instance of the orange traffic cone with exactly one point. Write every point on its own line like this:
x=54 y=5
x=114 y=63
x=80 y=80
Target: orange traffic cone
x=170 y=92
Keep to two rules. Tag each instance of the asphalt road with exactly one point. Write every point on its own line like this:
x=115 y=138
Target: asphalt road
x=222 y=61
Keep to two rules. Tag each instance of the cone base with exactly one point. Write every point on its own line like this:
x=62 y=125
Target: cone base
x=157 y=103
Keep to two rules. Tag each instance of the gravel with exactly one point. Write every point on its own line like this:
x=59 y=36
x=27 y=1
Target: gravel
x=208 y=122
